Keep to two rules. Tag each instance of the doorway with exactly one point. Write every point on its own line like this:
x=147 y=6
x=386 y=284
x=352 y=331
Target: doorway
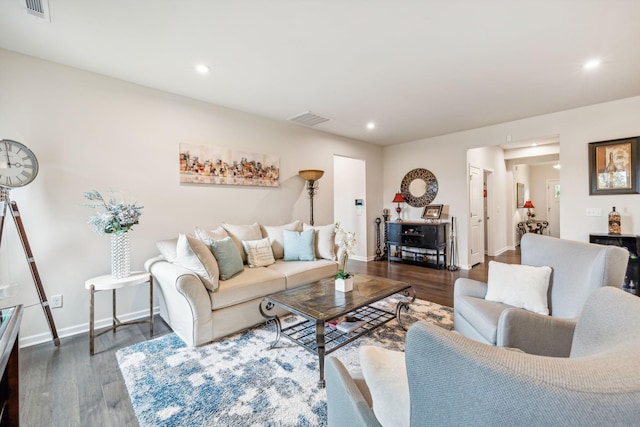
x=476 y=215
x=553 y=206
x=349 y=200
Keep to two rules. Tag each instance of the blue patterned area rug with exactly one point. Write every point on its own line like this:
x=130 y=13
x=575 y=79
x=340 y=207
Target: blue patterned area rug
x=238 y=381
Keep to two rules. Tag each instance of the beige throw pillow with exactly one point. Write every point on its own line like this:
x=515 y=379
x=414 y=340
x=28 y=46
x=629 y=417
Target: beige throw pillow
x=208 y=236
x=274 y=233
x=259 y=253
x=167 y=249
x=522 y=286
x=197 y=257
x=238 y=233
x=325 y=240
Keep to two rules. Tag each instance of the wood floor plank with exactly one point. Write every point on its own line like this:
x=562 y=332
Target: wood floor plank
x=64 y=386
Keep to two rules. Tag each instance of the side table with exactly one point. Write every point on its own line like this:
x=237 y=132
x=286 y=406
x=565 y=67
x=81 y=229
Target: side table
x=108 y=282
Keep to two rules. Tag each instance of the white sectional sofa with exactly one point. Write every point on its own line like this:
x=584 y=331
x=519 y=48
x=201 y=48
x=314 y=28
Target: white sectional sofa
x=201 y=307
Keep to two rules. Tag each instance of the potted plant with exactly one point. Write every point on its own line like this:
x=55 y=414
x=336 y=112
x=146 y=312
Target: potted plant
x=347 y=242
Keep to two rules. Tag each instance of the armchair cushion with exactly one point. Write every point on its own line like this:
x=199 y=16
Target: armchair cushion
x=521 y=286
x=385 y=374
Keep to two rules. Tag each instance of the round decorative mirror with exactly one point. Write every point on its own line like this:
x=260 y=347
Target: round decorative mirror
x=419 y=187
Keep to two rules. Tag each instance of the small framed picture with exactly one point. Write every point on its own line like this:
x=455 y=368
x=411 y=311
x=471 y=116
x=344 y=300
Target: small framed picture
x=432 y=212
x=613 y=167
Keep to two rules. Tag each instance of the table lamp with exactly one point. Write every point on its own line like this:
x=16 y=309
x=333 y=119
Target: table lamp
x=529 y=206
x=398 y=199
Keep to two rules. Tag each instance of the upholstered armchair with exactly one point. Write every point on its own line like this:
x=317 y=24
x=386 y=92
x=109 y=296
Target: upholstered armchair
x=453 y=380
x=577 y=269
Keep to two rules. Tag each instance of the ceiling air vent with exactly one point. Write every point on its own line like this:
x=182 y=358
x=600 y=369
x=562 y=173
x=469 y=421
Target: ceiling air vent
x=38 y=8
x=308 y=119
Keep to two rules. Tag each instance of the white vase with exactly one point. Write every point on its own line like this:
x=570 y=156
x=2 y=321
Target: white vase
x=344 y=285
x=120 y=256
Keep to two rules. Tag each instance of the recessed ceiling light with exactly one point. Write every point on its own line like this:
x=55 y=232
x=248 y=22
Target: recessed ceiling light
x=371 y=125
x=534 y=144
x=594 y=63
x=202 y=69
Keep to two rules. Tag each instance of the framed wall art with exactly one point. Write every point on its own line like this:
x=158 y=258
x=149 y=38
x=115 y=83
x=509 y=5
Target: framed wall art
x=613 y=166
x=519 y=195
x=200 y=164
x=432 y=212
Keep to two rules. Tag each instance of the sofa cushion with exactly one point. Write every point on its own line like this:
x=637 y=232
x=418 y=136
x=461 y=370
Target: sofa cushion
x=168 y=249
x=325 y=245
x=522 y=286
x=208 y=236
x=251 y=284
x=258 y=252
x=274 y=233
x=385 y=372
x=303 y=272
x=191 y=253
x=239 y=233
x=299 y=245
x=228 y=257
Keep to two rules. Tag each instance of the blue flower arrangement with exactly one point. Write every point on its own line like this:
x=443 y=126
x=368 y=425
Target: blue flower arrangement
x=114 y=217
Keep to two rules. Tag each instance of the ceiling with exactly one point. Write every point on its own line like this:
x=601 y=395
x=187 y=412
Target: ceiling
x=417 y=68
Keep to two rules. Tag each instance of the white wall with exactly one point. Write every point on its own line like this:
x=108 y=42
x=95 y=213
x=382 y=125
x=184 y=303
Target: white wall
x=445 y=156
x=89 y=131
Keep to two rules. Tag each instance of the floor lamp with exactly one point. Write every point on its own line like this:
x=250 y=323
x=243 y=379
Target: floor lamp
x=311 y=176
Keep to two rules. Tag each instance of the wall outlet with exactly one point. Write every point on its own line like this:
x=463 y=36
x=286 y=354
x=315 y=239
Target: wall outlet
x=56 y=301
x=594 y=212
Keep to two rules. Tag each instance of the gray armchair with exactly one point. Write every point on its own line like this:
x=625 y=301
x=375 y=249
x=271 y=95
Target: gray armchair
x=577 y=270
x=453 y=380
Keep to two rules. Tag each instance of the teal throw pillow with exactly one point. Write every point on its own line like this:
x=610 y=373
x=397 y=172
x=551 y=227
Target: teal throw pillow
x=299 y=246
x=228 y=256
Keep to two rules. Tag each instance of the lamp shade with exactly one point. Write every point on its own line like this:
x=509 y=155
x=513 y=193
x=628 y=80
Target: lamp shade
x=398 y=198
x=311 y=174
x=528 y=204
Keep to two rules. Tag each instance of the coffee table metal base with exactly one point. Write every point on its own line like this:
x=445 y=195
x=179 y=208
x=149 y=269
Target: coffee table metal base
x=321 y=338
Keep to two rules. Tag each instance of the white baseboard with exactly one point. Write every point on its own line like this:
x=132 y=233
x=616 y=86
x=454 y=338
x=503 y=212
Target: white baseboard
x=83 y=328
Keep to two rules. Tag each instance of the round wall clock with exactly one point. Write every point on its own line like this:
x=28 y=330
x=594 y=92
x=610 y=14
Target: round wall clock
x=419 y=187
x=18 y=164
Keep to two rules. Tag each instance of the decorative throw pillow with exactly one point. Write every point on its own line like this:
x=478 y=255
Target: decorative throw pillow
x=243 y=232
x=208 y=236
x=522 y=286
x=325 y=240
x=385 y=373
x=258 y=252
x=274 y=233
x=299 y=246
x=228 y=257
x=168 y=248
x=191 y=253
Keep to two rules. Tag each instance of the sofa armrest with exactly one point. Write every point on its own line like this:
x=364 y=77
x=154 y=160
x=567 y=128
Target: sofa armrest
x=184 y=301
x=346 y=406
x=469 y=287
x=535 y=333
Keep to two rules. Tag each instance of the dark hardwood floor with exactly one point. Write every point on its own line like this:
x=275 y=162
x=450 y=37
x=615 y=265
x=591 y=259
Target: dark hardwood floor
x=64 y=386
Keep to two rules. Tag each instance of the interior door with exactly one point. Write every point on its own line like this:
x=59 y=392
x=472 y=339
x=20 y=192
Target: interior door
x=553 y=206
x=476 y=216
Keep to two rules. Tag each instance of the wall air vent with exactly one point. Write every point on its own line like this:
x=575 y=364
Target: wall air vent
x=38 y=8
x=308 y=119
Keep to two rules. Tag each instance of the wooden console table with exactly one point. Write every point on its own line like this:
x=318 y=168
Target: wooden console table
x=418 y=243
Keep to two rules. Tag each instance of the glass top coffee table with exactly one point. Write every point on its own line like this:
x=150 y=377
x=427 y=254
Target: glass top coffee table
x=319 y=303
